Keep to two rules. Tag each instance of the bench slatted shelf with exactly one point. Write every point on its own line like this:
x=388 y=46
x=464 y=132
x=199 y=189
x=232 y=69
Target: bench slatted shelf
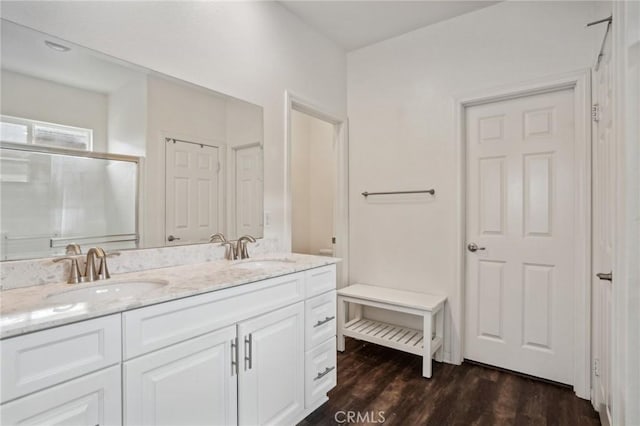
x=406 y=339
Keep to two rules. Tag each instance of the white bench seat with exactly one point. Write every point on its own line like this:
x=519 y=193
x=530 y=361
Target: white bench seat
x=428 y=306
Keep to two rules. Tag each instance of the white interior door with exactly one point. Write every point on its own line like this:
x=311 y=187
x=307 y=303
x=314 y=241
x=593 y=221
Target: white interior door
x=603 y=228
x=248 y=191
x=192 y=192
x=520 y=209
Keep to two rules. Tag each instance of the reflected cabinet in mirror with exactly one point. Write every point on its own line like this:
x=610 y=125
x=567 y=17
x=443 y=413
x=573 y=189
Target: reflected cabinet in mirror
x=97 y=151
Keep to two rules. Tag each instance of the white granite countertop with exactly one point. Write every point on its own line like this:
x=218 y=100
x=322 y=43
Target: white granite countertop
x=29 y=309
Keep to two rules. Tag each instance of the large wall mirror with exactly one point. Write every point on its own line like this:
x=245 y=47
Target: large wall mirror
x=97 y=151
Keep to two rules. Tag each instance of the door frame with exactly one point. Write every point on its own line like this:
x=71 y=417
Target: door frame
x=231 y=187
x=580 y=82
x=341 y=206
x=625 y=377
x=222 y=181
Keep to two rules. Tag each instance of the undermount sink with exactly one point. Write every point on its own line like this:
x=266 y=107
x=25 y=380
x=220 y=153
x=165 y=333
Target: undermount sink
x=262 y=263
x=111 y=291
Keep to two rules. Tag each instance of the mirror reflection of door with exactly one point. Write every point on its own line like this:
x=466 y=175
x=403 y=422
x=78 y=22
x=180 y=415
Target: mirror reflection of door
x=192 y=192
x=247 y=181
x=313 y=184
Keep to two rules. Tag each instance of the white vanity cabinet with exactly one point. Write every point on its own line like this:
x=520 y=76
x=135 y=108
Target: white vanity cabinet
x=320 y=336
x=92 y=400
x=271 y=370
x=63 y=375
x=190 y=383
x=261 y=353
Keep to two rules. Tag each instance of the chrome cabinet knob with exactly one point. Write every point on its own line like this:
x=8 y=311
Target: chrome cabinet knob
x=473 y=247
x=172 y=238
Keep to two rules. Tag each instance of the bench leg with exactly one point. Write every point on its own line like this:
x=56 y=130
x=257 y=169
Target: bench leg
x=426 y=356
x=440 y=333
x=342 y=312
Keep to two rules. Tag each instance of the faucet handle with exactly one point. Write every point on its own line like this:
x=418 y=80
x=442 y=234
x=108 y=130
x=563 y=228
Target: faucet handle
x=230 y=252
x=74 y=272
x=103 y=270
x=242 y=251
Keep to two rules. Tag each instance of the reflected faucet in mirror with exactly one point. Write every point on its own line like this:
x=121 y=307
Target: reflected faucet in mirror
x=218 y=237
x=73 y=249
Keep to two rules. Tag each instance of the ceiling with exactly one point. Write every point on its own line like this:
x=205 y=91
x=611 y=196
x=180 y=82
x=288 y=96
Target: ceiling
x=24 y=51
x=355 y=24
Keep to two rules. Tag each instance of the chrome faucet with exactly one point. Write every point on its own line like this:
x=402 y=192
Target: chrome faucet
x=218 y=237
x=241 y=246
x=91 y=272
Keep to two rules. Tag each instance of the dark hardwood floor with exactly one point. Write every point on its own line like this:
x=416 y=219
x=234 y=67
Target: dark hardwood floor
x=381 y=383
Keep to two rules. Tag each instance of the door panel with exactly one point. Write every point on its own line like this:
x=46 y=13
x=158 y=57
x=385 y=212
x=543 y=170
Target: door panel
x=271 y=378
x=248 y=190
x=520 y=210
x=190 y=383
x=192 y=192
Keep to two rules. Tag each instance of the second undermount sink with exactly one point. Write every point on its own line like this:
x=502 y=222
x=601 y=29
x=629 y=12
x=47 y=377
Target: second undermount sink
x=109 y=291
x=262 y=263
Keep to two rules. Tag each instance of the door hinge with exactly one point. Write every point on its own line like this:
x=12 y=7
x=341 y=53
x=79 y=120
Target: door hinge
x=219 y=167
x=333 y=240
x=596 y=367
x=595 y=112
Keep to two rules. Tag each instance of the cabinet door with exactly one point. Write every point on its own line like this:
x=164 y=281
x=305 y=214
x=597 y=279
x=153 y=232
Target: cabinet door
x=190 y=383
x=271 y=378
x=88 y=401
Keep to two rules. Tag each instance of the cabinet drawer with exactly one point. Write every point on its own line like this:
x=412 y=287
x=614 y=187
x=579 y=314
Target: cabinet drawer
x=45 y=358
x=320 y=374
x=320 y=280
x=89 y=400
x=155 y=327
x=320 y=319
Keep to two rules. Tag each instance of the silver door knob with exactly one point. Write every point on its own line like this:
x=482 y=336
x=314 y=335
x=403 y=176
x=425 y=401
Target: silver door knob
x=473 y=247
x=172 y=238
x=605 y=276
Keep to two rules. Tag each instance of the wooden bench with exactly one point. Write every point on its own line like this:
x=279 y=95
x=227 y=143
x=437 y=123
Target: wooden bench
x=428 y=306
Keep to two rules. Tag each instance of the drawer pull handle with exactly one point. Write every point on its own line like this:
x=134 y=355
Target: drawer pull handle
x=324 y=373
x=324 y=321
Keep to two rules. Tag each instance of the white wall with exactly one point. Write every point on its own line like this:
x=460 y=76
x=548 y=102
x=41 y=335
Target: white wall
x=300 y=197
x=401 y=94
x=128 y=118
x=28 y=97
x=322 y=185
x=243 y=123
x=250 y=50
x=313 y=175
